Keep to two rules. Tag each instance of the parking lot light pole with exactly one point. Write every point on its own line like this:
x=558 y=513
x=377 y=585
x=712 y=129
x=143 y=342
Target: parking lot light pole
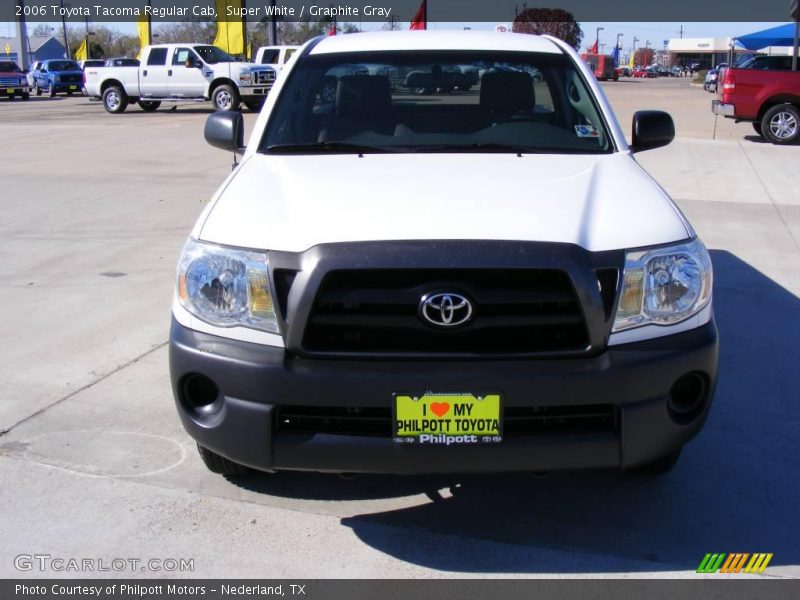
x=646 y=48
x=64 y=25
x=597 y=38
x=617 y=48
x=633 y=51
x=794 y=12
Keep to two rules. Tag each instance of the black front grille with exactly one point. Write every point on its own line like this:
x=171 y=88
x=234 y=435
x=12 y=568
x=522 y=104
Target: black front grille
x=263 y=77
x=71 y=79
x=587 y=418
x=515 y=311
x=517 y=421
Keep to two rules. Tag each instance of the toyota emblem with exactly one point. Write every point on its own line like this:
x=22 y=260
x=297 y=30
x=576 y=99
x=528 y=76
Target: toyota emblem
x=445 y=309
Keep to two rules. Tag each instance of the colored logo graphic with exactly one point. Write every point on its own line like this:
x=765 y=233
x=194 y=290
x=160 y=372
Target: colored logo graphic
x=734 y=562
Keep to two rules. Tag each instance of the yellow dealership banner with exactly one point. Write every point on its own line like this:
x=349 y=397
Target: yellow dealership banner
x=144 y=33
x=80 y=53
x=230 y=30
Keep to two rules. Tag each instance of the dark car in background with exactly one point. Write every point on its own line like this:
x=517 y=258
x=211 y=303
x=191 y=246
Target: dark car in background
x=58 y=76
x=13 y=82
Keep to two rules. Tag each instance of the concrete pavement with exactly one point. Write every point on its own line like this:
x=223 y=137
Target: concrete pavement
x=94 y=210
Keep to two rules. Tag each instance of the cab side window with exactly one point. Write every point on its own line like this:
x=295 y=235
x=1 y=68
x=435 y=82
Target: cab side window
x=157 y=57
x=181 y=54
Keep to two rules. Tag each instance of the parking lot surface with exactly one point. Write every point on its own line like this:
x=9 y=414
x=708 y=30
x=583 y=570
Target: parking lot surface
x=94 y=209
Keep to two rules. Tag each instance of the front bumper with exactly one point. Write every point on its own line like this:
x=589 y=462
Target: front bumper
x=67 y=87
x=726 y=110
x=255 y=91
x=13 y=90
x=255 y=380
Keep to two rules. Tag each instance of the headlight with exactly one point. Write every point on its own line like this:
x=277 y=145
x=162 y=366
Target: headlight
x=245 y=77
x=664 y=286
x=226 y=287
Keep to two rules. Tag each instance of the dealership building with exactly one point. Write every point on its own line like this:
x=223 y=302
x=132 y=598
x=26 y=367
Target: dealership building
x=707 y=52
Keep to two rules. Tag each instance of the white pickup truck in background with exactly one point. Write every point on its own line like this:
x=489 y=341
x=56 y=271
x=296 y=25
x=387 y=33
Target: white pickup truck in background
x=175 y=72
x=274 y=56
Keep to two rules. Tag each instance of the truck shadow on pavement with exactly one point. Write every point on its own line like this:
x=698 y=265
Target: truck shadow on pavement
x=735 y=488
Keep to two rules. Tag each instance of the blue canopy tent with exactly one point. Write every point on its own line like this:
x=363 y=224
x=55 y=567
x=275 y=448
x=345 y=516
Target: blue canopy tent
x=782 y=35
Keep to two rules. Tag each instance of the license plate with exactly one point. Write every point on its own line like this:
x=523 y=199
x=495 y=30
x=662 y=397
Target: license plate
x=73 y=87
x=447 y=418
x=9 y=91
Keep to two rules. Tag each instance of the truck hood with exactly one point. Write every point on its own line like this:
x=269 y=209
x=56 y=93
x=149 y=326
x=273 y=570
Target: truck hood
x=291 y=203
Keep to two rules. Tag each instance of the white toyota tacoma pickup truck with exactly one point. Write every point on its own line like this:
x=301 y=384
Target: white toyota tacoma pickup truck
x=180 y=72
x=484 y=280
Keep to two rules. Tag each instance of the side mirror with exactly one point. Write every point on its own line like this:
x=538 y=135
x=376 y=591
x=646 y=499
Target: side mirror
x=225 y=130
x=651 y=129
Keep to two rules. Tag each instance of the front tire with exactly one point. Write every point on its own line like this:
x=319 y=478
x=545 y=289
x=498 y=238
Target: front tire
x=221 y=465
x=115 y=100
x=226 y=97
x=659 y=466
x=51 y=91
x=781 y=124
x=149 y=105
x=757 y=128
x=37 y=90
x=254 y=105
x=26 y=96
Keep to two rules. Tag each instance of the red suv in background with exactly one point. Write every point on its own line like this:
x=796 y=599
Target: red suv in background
x=764 y=91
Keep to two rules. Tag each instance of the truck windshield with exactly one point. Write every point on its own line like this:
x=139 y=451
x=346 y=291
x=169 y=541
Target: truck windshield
x=436 y=101
x=63 y=65
x=213 y=55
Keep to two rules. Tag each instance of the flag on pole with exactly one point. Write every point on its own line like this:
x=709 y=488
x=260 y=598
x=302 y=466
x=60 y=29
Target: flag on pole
x=80 y=53
x=593 y=49
x=615 y=55
x=332 y=28
x=631 y=60
x=420 y=20
x=144 y=33
x=230 y=30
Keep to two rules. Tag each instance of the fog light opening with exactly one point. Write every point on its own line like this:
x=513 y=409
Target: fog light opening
x=688 y=397
x=200 y=394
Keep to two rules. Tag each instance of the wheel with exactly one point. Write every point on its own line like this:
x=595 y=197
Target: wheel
x=51 y=91
x=221 y=465
x=659 y=466
x=757 y=128
x=781 y=124
x=37 y=90
x=26 y=96
x=225 y=97
x=69 y=93
x=254 y=105
x=149 y=105
x=115 y=100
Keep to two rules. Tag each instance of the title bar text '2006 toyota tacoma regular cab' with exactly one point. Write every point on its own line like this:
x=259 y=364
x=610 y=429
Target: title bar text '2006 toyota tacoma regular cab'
x=454 y=281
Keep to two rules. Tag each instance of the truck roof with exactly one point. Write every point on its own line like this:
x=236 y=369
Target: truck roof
x=435 y=40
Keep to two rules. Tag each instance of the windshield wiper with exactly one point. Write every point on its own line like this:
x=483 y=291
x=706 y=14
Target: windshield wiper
x=342 y=147
x=477 y=147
